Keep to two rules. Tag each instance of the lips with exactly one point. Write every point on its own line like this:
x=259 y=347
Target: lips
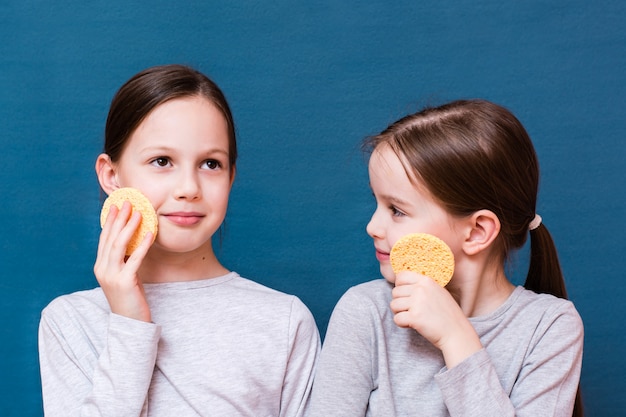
x=184 y=218
x=382 y=256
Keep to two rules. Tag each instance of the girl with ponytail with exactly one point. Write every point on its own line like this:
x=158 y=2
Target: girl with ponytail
x=466 y=172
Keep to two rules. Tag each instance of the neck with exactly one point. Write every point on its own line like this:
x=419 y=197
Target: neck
x=480 y=288
x=161 y=266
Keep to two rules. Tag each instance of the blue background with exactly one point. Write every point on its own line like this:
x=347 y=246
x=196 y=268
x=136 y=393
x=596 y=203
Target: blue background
x=307 y=81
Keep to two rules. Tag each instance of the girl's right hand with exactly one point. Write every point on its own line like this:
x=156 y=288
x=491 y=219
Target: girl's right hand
x=418 y=302
x=117 y=275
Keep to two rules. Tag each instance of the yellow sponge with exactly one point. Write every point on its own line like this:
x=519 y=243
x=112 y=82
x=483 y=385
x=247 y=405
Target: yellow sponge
x=149 y=221
x=425 y=254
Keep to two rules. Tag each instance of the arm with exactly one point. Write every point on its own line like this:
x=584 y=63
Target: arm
x=344 y=377
x=546 y=384
x=304 y=342
x=78 y=380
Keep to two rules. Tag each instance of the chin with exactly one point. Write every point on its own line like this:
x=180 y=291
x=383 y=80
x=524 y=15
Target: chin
x=177 y=247
x=387 y=273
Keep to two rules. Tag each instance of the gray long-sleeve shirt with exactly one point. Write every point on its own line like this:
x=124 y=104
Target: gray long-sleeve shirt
x=530 y=364
x=225 y=346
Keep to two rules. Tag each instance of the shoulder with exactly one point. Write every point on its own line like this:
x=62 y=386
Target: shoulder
x=80 y=303
x=83 y=315
x=545 y=304
x=547 y=311
x=255 y=290
x=366 y=302
x=360 y=321
x=376 y=292
x=549 y=326
x=265 y=299
x=275 y=312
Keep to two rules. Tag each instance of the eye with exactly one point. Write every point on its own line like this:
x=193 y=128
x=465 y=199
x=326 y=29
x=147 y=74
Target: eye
x=212 y=164
x=395 y=212
x=161 y=161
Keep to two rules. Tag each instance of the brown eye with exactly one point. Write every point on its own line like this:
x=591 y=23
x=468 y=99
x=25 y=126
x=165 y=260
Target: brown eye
x=161 y=161
x=213 y=164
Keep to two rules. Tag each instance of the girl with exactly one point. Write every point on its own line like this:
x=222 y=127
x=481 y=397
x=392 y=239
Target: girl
x=467 y=173
x=171 y=331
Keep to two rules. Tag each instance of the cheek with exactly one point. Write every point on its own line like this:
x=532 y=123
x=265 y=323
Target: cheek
x=395 y=234
x=153 y=190
x=219 y=193
x=134 y=178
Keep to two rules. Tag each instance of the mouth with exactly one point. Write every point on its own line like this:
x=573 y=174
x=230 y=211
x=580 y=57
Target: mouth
x=184 y=218
x=382 y=256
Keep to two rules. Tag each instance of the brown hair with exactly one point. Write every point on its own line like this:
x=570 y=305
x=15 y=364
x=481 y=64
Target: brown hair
x=473 y=155
x=151 y=87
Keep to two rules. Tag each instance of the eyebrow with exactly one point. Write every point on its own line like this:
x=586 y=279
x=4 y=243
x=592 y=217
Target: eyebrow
x=395 y=200
x=392 y=199
x=167 y=149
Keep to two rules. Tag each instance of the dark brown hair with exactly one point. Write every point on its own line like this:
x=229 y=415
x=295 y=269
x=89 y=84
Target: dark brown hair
x=154 y=86
x=473 y=155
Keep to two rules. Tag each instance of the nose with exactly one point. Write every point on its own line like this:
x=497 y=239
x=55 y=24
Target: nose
x=187 y=186
x=374 y=227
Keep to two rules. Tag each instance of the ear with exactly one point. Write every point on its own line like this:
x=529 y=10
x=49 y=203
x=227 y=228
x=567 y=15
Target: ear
x=483 y=228
x=106 y=172
x=233 y=171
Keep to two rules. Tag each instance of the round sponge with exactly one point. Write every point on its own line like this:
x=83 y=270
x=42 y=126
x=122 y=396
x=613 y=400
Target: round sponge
x=149 y=221
x=425 y=254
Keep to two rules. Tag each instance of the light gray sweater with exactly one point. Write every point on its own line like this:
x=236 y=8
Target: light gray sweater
x=225 y=346
x=530 y=364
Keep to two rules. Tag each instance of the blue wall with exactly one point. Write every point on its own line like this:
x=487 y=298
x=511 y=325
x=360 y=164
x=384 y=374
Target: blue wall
x=307 y=81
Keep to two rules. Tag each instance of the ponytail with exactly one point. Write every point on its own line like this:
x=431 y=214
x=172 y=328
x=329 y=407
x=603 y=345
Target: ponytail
x=545 y=276
x=544 y=272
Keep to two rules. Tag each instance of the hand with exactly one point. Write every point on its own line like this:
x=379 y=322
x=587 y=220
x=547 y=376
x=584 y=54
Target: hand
x=421 y=304
x=117 y=275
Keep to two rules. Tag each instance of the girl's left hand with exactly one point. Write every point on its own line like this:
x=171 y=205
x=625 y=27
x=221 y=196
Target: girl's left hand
x=421 y=304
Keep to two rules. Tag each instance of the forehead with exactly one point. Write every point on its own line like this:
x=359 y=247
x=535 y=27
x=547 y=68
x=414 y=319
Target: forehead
x=384 y=163
x=390 y=174
x=188 y=118
x=391 y=184
x=188 y=109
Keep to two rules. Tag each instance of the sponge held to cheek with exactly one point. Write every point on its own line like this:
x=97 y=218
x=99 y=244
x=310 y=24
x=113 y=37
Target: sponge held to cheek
x=425 y=254
x=149 y=221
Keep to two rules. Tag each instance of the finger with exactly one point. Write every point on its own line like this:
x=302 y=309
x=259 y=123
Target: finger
x=402 y=319
x=103 y=242
x=106 y=228
x=118 y=217
x=406 y=278
x=123 y=217
x=120 y=244
x=402 y=291
x=115 y=222
x=400 y=304
x=114 y=238
x=135 y=259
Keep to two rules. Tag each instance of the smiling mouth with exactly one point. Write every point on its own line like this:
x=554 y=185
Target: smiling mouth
x=184 y=219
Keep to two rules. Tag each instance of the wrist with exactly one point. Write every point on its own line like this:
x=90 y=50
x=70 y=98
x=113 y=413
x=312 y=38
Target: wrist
x=460 y=346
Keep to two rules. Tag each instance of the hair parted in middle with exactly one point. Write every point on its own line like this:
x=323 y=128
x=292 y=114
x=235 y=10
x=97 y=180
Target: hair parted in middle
x=153 y=86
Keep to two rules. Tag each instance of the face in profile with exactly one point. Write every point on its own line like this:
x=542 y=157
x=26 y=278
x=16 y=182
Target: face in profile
x=402 y=207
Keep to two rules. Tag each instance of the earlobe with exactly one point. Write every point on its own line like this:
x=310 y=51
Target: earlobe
x=483 y=229
x=107 y=175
